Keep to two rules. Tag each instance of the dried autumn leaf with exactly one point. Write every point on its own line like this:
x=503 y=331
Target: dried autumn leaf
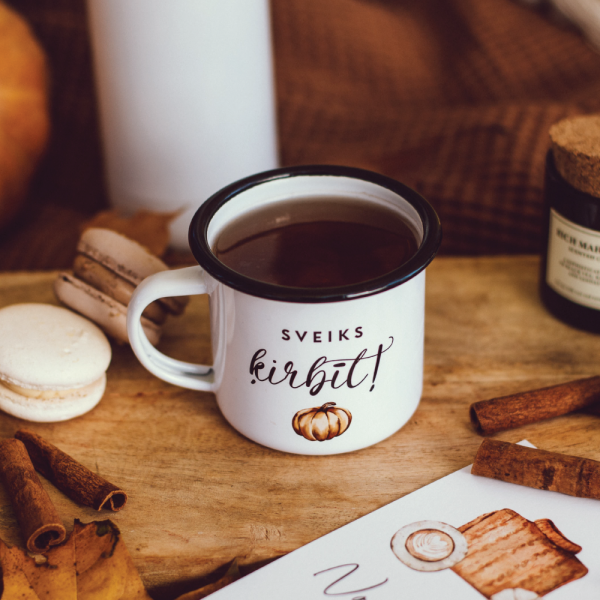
x=105 y=570
x=91 y=542
x=148 y=228
x=233 y=574
x=15 y=585
x=55 y=578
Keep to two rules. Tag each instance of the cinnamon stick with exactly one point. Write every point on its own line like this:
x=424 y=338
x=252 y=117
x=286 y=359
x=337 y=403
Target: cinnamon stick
x=506 y=412
x=40 y=524
x=538 y=469
x=76 y=481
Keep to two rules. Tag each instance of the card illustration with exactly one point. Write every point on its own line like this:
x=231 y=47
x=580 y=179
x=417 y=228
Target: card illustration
x=501 y=554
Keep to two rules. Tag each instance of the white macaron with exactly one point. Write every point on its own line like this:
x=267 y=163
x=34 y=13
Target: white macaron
x=52 y=362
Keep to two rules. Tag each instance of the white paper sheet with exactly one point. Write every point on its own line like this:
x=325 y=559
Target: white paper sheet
x=356 y=562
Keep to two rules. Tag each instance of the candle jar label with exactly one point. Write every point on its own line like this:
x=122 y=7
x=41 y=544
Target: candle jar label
x=573 y=267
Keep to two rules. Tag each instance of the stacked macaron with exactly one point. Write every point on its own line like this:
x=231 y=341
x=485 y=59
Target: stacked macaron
x=52 y=362
x=107 y=269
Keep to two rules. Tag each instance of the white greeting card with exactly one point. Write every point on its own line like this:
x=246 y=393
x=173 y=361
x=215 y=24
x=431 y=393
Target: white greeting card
x=461 y=537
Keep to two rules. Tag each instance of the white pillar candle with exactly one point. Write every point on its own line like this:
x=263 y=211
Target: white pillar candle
x=186 y=99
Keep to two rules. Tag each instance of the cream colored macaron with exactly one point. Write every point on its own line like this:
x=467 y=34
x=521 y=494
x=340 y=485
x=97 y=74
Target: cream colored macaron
x=52 y=362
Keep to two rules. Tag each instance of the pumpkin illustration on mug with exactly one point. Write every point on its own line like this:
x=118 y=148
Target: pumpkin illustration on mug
x=321 y=423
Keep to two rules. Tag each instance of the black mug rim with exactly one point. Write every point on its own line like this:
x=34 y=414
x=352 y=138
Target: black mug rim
x=198 y=239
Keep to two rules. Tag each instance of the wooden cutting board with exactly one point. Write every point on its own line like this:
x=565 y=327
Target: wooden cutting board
x=200 y=494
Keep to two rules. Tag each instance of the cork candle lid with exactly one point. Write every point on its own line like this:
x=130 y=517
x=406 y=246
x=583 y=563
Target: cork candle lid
x=576 y=149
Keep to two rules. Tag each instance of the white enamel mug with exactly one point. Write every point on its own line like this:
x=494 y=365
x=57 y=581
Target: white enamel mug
x=308 y=371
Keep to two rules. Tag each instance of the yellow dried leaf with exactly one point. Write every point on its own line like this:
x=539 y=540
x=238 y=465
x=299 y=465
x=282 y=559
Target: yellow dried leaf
x=105 y=570
x=15 y=585
x=148 y=228
x=54 y=579
x=233 y=574
x=93 y=564
x=92 y=542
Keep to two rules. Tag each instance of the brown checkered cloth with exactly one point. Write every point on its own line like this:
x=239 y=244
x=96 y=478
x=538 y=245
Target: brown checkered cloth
x=452 y=97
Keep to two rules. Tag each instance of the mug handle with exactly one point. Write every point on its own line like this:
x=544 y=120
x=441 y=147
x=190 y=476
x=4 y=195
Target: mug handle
x=188 y=281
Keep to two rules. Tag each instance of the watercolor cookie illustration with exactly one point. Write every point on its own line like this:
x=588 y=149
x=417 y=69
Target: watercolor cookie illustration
x=509 y=553
x=322 y=423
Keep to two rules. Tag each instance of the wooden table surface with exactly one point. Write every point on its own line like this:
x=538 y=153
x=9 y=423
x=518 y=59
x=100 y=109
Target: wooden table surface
x=200 y=494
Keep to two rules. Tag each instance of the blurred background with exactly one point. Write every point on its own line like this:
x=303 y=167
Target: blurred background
x=452 y=97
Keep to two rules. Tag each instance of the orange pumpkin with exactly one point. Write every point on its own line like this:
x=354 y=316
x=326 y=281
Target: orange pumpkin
x=24 y=119
x=321 y=422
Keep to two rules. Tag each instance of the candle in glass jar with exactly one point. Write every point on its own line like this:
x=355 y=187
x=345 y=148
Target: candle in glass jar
x=570 y=274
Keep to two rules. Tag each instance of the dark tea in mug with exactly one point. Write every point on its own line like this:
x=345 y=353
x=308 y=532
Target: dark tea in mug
x=316 y=243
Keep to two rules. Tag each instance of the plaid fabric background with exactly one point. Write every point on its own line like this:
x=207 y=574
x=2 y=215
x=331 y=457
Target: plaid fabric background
x=452 y=97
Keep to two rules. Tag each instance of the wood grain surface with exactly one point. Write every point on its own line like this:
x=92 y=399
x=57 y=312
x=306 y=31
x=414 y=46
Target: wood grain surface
x=200 y=494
